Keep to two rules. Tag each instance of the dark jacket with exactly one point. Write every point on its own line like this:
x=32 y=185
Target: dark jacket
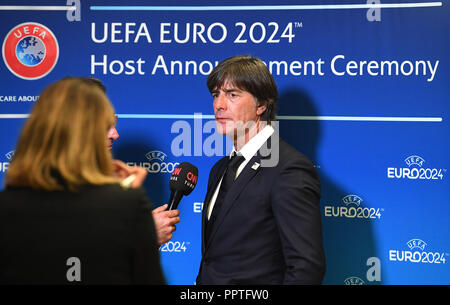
x=268 y=230
x=110 y=231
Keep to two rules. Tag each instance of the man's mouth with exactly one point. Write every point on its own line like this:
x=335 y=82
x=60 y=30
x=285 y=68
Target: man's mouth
x=222 y=119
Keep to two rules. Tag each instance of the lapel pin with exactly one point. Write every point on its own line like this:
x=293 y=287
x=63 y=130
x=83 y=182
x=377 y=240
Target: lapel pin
x=255 y=165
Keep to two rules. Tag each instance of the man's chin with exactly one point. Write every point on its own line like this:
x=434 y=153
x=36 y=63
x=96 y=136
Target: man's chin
x=225 y=128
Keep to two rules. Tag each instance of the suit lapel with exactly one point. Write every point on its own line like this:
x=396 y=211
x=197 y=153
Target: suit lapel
x=212 y=185
x=247 y=174
x=238 y=186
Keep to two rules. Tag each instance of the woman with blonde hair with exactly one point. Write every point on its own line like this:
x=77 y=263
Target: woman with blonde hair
x=65 y=217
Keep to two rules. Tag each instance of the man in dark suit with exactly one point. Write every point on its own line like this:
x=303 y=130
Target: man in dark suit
x=261 y=219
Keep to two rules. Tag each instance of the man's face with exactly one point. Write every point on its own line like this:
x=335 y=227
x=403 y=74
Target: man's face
x=112 y=135
x=234 y=107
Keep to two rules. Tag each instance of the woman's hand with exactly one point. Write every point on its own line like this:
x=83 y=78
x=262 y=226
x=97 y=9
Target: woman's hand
x=123 y=171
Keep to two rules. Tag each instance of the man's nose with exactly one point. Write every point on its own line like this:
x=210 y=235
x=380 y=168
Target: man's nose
x=220 y=102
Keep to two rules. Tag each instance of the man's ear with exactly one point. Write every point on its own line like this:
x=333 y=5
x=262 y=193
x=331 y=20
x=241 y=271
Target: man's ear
x=260 y=109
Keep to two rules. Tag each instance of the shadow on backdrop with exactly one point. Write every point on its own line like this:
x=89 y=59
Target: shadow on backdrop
x=348 y=242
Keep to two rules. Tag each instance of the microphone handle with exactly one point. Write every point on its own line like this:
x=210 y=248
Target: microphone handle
x=175 y=198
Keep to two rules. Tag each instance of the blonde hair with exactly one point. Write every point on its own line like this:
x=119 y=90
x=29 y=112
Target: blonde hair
x=65 y=138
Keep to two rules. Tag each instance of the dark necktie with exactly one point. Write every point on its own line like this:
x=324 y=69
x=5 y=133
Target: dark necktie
x=227 y=182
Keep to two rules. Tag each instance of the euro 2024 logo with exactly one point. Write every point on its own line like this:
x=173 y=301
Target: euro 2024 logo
x=30 y=50
x=415 y=170
x=352 y=209
x=417 y=254
x=157 y=163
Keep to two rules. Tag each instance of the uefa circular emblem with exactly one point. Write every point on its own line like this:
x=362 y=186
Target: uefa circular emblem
x=30 y=50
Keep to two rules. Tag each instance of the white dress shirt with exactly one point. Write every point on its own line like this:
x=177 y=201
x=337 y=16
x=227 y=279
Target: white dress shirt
x=247 y=151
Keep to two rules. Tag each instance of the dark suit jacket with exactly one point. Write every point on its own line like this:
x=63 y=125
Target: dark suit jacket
x=268 y=230
x=109 y=229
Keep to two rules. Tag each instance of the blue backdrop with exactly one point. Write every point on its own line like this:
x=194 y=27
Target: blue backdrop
x=363 y=92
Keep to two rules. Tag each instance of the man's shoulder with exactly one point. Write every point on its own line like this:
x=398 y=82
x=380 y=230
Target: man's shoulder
x=289 y=154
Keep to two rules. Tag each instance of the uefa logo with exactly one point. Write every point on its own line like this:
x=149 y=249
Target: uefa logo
x=418 y=254
x=354 y=280
x=416 y=170
x=4 y=165
x=155 y=155
x=30 y=50
x=10 y=155
x=157 y=163
x=352 y=209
